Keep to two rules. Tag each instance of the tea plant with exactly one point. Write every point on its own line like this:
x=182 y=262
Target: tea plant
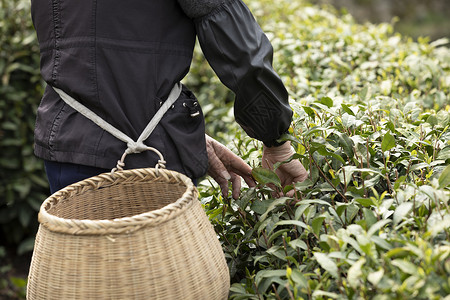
x=22 y=179
x=371 y=125
x=372 y=219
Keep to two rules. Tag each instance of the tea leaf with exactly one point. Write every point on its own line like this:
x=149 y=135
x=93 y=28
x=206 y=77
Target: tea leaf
x=297 y=277
x=405 y=266
x=298 y=243
x=311 y=113
x=377 y=226
x=292 y=222
x=273 y=204
x=388 y=142
x=364 y=202
x=346 y=144
x=375 y=277
x=316 y=224
x=327 y=101
x=355 y=272
x=402 y=210
x=444 y=178
x=266 y=176
x=269 y=273
x=347 y=109
x=326 y=263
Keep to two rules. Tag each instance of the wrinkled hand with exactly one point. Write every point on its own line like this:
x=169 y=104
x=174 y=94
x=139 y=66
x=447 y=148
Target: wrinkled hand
x=224 y=165
x=289 y=173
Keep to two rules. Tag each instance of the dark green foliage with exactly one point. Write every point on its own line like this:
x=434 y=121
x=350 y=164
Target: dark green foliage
x=23 y=186
x=371 y=125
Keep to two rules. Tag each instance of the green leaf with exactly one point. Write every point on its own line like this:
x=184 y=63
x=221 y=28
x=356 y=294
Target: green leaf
x=444 y=178
x=315 y=129
x=375 y=277
x=391 y=126
x=399 y=181
x=398 y=252
x=440 y=226
x=315 y=201
x=272 y=205
x=26 y=246
x=377 y=226
x=269 y=273
x=355 y=272
x=347 y=109
x=327 y=263
x=311 y=112
x=370 y=217
x=266 y=176
x=405 y=266
x=327 y=101
x=298 y=243
x=245 y=198
x=292 y=222
x=444 y=154
x=443 y=118
x=297 y=277
x=401 y=211
x=341 y=207
x=372 y=181
x=364 y=202
x=365 y=93
x=323 y=151
x=432 y=120
x=388 y=142
x=25 y=216
x=381 y=242
x=260 y=207
x=346 y=144
x=316 y=224
x=18 y=282
x=276 y=234
x=318 y=294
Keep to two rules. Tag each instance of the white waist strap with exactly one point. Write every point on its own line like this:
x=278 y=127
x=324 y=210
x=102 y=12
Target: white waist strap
x=132 y=146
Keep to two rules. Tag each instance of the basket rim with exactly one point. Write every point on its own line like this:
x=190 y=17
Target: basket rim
x=118 y=225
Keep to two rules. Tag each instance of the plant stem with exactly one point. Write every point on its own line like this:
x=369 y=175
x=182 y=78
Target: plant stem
x=289 y=292
x=256 y=288
x=285 y=250
x=276 y=293
x=326 y=178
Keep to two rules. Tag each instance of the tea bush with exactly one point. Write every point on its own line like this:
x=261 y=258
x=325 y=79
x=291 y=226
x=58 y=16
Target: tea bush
x=23 y=186
x=371 y=125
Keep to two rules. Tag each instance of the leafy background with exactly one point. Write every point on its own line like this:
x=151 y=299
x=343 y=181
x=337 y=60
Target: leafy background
x=371 y=126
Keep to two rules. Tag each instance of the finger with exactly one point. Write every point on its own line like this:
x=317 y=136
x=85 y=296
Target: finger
x=233 y=163
x=236 y=185
x=223 y=183
x=216 y=168
x=292 y=172
x=249 y=181
x=266 y=162
x=231 y=160
x=290 y=194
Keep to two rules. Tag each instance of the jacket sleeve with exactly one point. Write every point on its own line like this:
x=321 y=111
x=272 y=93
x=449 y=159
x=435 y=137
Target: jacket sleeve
x=241 y=55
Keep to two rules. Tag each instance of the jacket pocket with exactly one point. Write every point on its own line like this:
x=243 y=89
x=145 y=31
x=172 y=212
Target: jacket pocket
x=185 y=127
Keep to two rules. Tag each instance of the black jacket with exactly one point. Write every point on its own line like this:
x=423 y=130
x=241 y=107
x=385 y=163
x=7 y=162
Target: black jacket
x=121 y=59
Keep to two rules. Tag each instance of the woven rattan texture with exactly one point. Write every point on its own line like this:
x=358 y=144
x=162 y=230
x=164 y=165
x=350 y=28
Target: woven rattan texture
x=168 y=249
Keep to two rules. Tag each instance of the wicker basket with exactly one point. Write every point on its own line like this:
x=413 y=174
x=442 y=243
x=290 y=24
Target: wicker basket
x=133 y=234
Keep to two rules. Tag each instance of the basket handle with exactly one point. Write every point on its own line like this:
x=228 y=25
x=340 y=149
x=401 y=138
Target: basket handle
x=160 y=164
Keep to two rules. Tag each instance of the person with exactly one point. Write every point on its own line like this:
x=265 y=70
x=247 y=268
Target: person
x=122 y=59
